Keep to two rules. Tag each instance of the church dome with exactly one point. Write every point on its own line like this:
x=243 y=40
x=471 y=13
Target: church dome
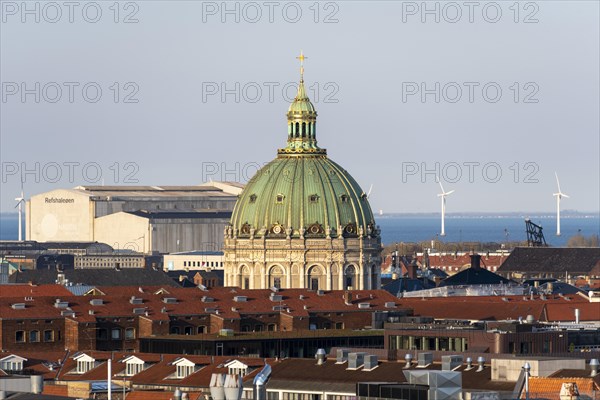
x=302 y=192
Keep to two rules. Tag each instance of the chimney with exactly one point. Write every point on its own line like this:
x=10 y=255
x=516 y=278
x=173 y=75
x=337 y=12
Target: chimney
x=569 y=391
x=577 y=313
x=347 y=298
x=594 y=367
x=412 y=270
x=475 y=261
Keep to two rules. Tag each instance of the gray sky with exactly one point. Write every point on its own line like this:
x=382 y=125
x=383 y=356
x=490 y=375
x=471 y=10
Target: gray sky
x=370 y=62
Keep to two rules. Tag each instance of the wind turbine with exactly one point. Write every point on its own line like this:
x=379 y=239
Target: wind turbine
x=443 y=196
x=20 y=200
x=559 y=196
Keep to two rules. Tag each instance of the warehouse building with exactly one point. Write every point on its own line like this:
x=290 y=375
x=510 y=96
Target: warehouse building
x=145 y=219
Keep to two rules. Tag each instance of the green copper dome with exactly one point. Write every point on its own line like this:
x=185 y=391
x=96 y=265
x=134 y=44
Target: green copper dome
x=302 y=192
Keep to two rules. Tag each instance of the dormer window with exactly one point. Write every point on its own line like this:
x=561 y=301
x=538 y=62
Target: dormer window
x=313 y=198
x=184 y=368
x=85 y=363
x=183 y=371
x=344 y=198
x=12 y=363
x=252 y=198
x=279 y=199
x=133 y=365
x=237 y=367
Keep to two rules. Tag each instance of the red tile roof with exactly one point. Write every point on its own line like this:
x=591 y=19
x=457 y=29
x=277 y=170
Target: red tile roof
x=155 y=395
x=25 y=290
x=549 y=388
x=553 y=308
x=116 y=303
x=158 y=370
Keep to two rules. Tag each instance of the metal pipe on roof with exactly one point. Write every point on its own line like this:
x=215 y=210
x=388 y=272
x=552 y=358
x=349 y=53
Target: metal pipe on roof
x=109 y=380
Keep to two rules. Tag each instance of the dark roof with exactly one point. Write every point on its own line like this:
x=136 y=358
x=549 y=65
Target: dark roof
x=474 y=276
x=436 y=272
x=407 y=285
x=559 y=287
x=212 y=274
x=301 y=374
x=576 y=260
x=97 y=277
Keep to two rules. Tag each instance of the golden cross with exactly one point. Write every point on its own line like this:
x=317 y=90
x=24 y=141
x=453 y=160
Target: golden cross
x=301 y=57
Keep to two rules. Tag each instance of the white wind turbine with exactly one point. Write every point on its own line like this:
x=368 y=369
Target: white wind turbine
x=20 y=200
x=559 y=196
x=443 y=196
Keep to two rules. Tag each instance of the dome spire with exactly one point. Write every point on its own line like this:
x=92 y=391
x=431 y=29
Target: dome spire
x=301 y=57
x=302 y=121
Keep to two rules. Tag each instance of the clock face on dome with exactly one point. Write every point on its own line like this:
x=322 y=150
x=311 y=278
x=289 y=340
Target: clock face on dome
x=277 y=229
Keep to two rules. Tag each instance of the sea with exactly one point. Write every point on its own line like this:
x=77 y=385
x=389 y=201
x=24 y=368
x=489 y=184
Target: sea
x=408 y=228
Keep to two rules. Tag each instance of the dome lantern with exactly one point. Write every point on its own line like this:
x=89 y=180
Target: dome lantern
x=302 y=121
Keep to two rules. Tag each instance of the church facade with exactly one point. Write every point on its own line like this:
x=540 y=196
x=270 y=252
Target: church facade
x=302 y=221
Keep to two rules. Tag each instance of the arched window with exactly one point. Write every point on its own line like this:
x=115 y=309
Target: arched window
x=276 y=277
x=315 y=278
x=297 y=129
x=304 y=129
x=350 y=277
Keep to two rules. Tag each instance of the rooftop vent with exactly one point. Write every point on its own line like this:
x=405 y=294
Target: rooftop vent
x=91 y=312
x=469 y=364
x=371 y=362
x=170 y=300
x=356 y=360
x=28 y=298
x=210 y=309
x=67 y=313
x=206 y=299
x=301 y=297
x=320 y=356
x=594 y=366
x=278 y=308
x=96 y=302
x=139 y=310
x=136 y=300
x=363 y=306
x=276 y=297
x=320 y=292
x=449 y=363
x=390 y=304
x=424 y=359
x=408 y=358
x=240 y=299
x=61 y=304
x=18 y=306
x=341 y=356
x=480 y=362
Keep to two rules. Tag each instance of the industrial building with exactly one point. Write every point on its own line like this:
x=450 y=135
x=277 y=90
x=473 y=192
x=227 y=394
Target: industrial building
x=145 y=219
